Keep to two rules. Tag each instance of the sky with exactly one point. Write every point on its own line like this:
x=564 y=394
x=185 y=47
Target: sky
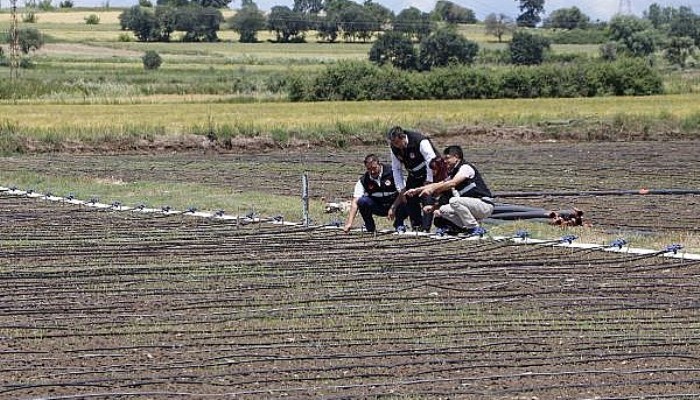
x=595 y=9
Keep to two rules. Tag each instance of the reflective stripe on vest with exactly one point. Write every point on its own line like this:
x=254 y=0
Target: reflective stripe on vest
x=418 y=167
x=466 y=188
x=382 y=194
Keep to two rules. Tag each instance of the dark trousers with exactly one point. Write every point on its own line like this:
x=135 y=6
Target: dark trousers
x=414 y=205
x=369 y=207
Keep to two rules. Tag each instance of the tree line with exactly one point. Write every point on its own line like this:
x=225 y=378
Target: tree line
x=674 y=31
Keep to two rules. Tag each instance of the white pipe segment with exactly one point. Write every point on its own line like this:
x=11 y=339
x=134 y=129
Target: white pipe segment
x=563 y=242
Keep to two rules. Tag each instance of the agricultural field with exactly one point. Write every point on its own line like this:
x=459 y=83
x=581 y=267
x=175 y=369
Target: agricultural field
x=121 y=304
x=105 y=303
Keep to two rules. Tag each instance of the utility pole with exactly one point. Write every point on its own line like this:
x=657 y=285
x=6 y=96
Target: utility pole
x=14 y=43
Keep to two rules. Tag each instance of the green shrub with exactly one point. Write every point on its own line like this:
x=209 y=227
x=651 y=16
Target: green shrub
x=92 y=19
x=125 y=37
x=363 y=81
x=151 y=60
x=30 y=18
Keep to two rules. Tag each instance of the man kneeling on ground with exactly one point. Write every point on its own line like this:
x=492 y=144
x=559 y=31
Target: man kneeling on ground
x=376 y=194
x=464 y=198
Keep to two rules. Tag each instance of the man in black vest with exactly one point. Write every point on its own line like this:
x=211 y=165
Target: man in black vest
x=464 y=200
x=376 y=194
x=415 y=152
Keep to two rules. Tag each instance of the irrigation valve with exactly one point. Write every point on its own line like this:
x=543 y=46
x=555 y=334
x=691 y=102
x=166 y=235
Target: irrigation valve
x=568 y=239
x=522 y=234
x=673 y=248
x=619 y=243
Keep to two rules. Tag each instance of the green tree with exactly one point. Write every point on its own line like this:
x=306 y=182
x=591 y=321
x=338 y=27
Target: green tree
x=287 y=25
x=247 y=22
x=393 y=48
x=685 y=23
x=452 y=13
x=635 y=35
x=380 y=13
x=679 y=50
x=335 y=6
x=92 y=19
x=308 y=6
x=28 y=39
x=211 y=3
x=357 y=22
x=151 y=60
x=498 y=25
x=200 y=24
x=142 y=22
x=414 y=23
x=527 y=48
x=659 y=16
x=530 y=11
x=444 y=47
x=327 y=28
x=166 y=21
x=567 y=18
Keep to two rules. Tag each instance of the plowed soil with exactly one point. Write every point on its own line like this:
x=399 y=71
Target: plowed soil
x=106 y=304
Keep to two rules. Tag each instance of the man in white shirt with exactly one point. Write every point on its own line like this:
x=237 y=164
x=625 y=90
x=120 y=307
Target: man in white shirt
x=376 y=194
x=415 y=152
x=465 y=199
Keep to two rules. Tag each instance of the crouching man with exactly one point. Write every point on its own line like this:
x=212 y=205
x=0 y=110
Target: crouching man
x=376 y=194
x=464 y=199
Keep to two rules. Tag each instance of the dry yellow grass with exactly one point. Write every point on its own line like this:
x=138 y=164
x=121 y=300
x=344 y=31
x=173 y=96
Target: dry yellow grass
x=176 y=115
x=70 y=17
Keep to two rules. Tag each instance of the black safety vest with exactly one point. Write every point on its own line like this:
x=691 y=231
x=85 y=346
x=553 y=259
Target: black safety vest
x=474 y=187
x=386 y=191
x=411 y=157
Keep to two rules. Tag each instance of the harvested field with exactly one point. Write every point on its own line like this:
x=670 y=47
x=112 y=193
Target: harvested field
x=99 y=304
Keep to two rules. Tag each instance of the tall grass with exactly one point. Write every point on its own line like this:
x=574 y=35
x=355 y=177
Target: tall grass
x=342 y=122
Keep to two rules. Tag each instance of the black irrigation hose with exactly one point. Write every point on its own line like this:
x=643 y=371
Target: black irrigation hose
x=622 y=192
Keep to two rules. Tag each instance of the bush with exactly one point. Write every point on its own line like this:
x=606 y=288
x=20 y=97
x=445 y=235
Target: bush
x=364 y=81
x=125 y=37
x=30 y=18
x=527 y=48
x=579 y=36
x=151 y=60
x=92 y=19
x=66 y=4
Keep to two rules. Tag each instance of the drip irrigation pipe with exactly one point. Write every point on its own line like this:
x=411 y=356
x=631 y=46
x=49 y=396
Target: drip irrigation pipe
x=119 y=207
x=566 y=193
